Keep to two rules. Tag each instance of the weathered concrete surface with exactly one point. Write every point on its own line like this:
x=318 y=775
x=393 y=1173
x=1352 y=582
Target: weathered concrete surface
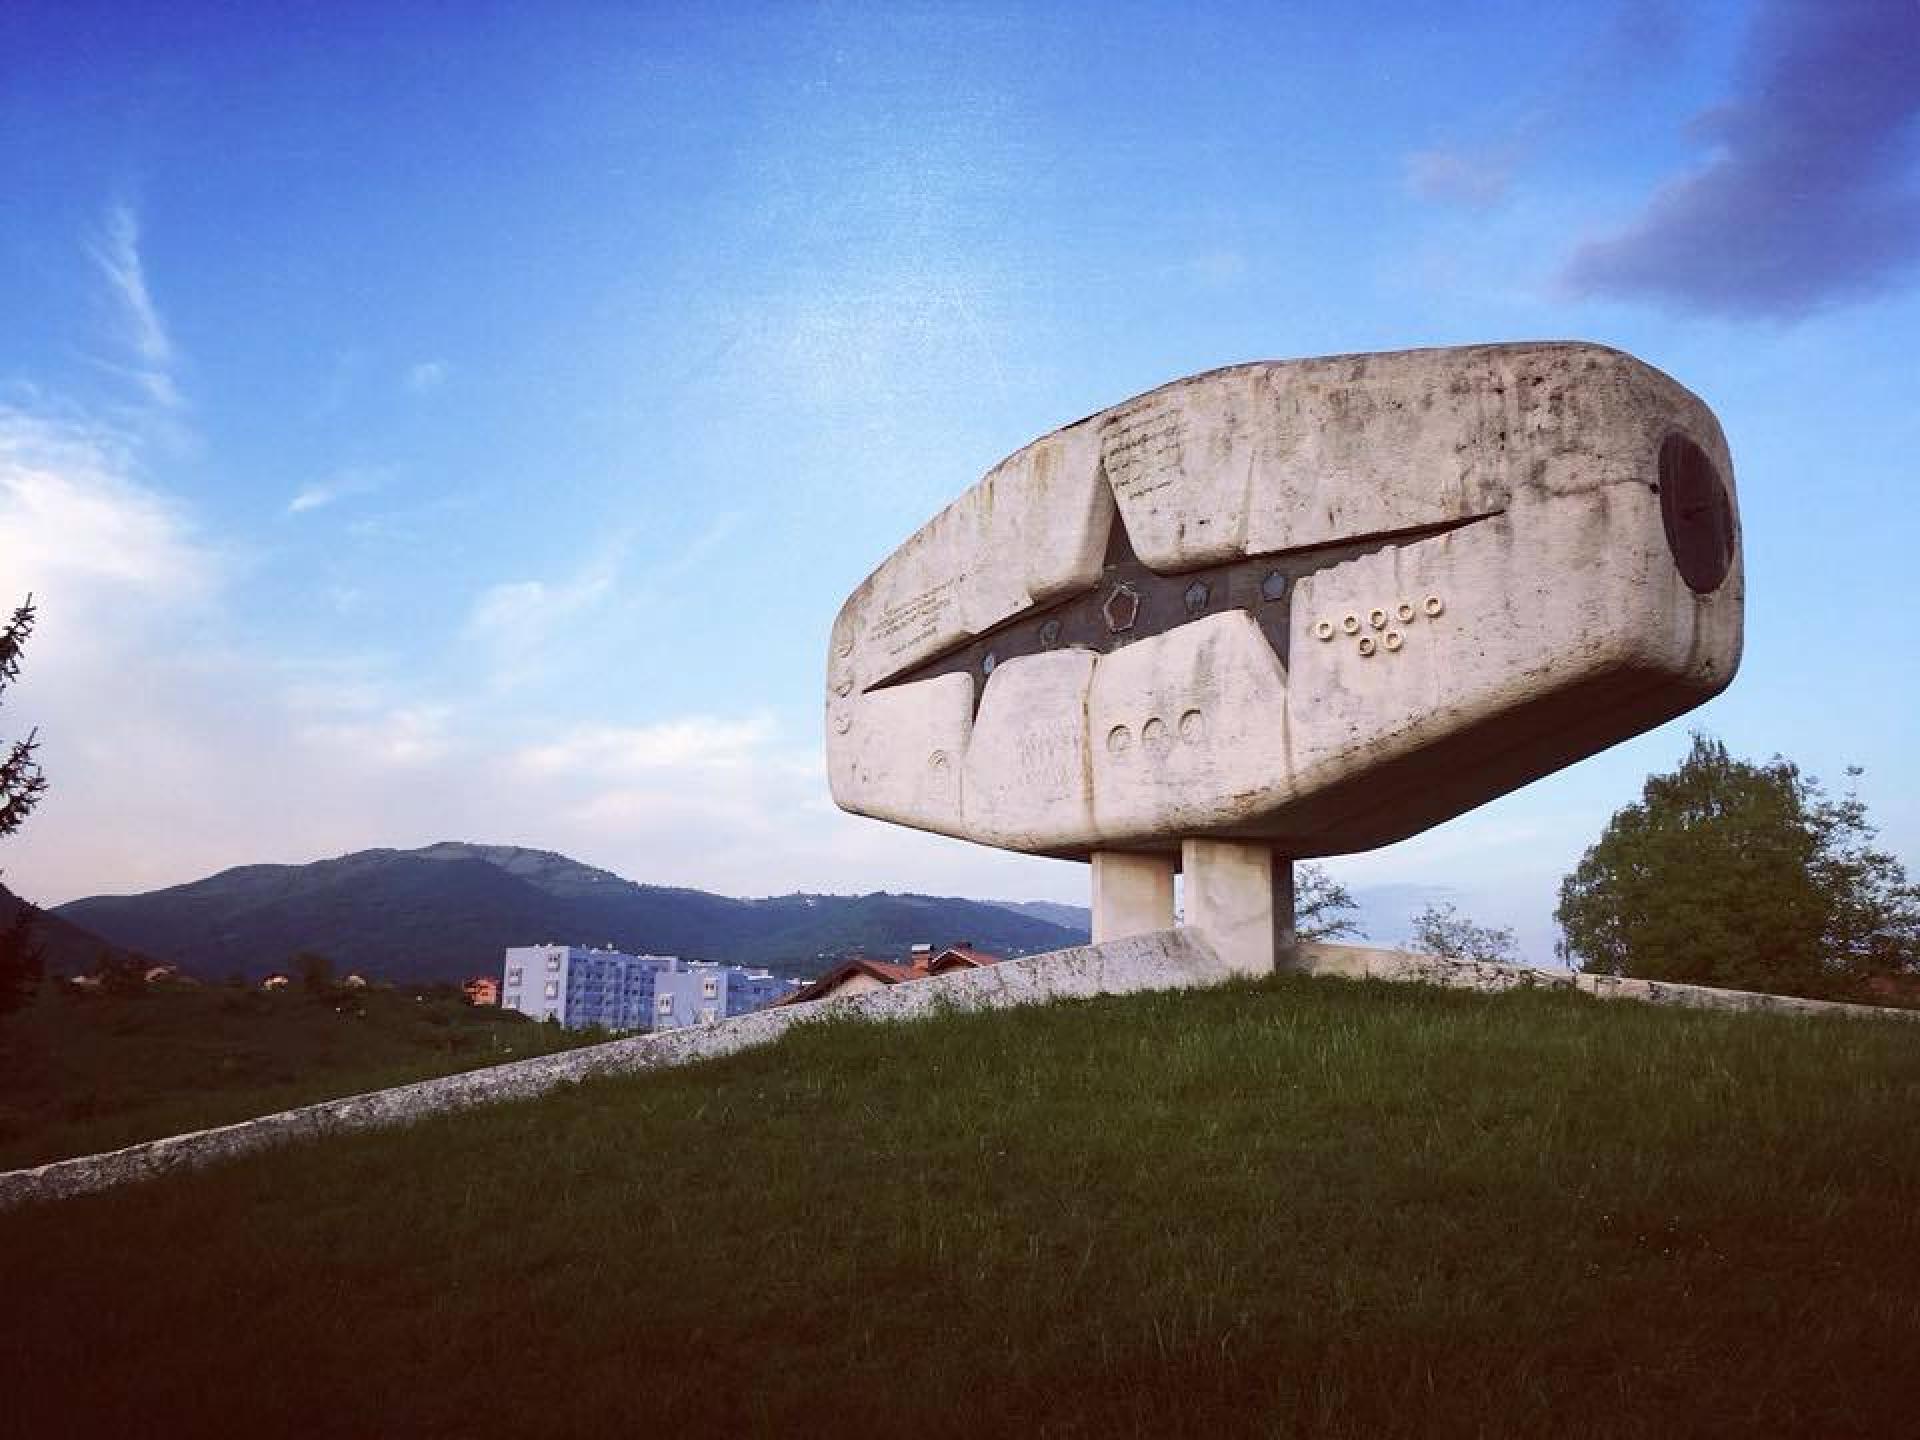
x=1483 y=564
x=1170 y=959
x=1241 y=898
x=1132 y=894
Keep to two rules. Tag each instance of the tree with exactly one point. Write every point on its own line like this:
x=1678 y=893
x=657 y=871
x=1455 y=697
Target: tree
x=1323 y=908
x=20 y=959
x=1443 y=930
x=315 y=971
x=1741 y=875
x=120 y=972
x=21 y=786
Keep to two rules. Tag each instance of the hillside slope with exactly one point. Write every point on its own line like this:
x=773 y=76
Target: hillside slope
x=1300 y=1207
x=446 y=911
x=81 y=1073
x=65 y=948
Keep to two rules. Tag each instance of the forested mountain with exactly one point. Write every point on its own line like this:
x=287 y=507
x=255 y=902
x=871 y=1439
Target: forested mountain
x=447 y=911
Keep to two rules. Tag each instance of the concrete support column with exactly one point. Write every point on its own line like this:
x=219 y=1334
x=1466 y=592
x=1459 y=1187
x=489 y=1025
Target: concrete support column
x=1132 y=893
x=1241 y=898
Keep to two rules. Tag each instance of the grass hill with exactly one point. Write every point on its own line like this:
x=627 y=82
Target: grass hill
x=82 y=1072
x=446 y=911
x=1293 y=1208
x=65 y=948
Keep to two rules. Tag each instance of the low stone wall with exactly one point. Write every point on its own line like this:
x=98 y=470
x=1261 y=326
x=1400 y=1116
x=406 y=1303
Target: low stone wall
x=1170 y=959
x=1164 y=960
x=1355 y=962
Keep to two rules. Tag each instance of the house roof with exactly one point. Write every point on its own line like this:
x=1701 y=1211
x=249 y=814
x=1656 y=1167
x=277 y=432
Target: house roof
x=962 y=957
x=885 y=971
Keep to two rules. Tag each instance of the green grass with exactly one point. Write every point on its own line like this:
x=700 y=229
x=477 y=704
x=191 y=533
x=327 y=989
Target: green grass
x=1300 y=1207
x=86 y=1072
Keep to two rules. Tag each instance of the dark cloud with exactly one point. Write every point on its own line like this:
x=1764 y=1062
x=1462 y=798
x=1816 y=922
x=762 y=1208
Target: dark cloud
x=1812 y=196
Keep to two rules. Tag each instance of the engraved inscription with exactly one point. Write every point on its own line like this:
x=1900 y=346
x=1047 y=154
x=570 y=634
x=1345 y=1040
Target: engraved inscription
x=1142 y=452
x=1050 y=761
x=912 y=621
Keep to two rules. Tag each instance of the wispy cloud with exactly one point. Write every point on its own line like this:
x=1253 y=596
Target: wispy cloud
x=517 y=621
x=139 y=330
x=1220 y=269
x=1455 y=176
x=77 y=527
x=399 y=735
x=426 y=375
x=655 y=580
x=354 y=480
x=612 y=752
x=1810 y=198
x=177 y=745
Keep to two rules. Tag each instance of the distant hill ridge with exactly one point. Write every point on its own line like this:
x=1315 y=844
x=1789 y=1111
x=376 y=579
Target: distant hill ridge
x=65 y=948
x=446 y=911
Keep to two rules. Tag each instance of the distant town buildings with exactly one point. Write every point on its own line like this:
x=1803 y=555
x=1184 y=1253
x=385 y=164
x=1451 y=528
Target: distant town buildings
x=480 y=990
x=580 y=987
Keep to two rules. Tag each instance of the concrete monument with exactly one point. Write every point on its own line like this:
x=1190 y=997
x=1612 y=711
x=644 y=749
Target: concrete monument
x=1288 y=610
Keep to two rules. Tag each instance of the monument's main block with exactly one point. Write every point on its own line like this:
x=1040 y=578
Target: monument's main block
x=1318 y=605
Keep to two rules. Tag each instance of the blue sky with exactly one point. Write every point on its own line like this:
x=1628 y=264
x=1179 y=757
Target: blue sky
x=421 y=425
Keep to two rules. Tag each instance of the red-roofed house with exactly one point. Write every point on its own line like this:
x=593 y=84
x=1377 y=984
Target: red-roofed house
x=961 y=957
x=859 y=975
x=856 y=977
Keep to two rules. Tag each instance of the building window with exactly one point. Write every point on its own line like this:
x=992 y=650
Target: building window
x=709 y=987
x=513 y=976
x=553 y=990
x=706 y=1014
x=553 y=962
x=665 y=1005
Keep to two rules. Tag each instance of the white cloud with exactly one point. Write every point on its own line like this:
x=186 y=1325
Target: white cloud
x=139 y=328
x=516 y=623
x=426 y=375
x=354 y=480
x=78 y=528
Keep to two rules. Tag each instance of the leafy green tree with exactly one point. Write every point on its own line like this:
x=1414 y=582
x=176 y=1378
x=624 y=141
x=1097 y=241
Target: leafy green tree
x=1323 y=908
x=1443 y=930
x=21 y=786
x=1741 y=875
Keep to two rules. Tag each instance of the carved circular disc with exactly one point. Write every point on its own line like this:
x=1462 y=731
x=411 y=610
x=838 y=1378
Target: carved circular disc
x=1697 y=513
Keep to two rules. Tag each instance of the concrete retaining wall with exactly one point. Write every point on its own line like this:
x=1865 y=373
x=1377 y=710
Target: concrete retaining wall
x=1355 y=962
x=1165 y=960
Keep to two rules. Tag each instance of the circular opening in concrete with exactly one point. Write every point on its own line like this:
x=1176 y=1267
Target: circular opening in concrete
x=1698 y=514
